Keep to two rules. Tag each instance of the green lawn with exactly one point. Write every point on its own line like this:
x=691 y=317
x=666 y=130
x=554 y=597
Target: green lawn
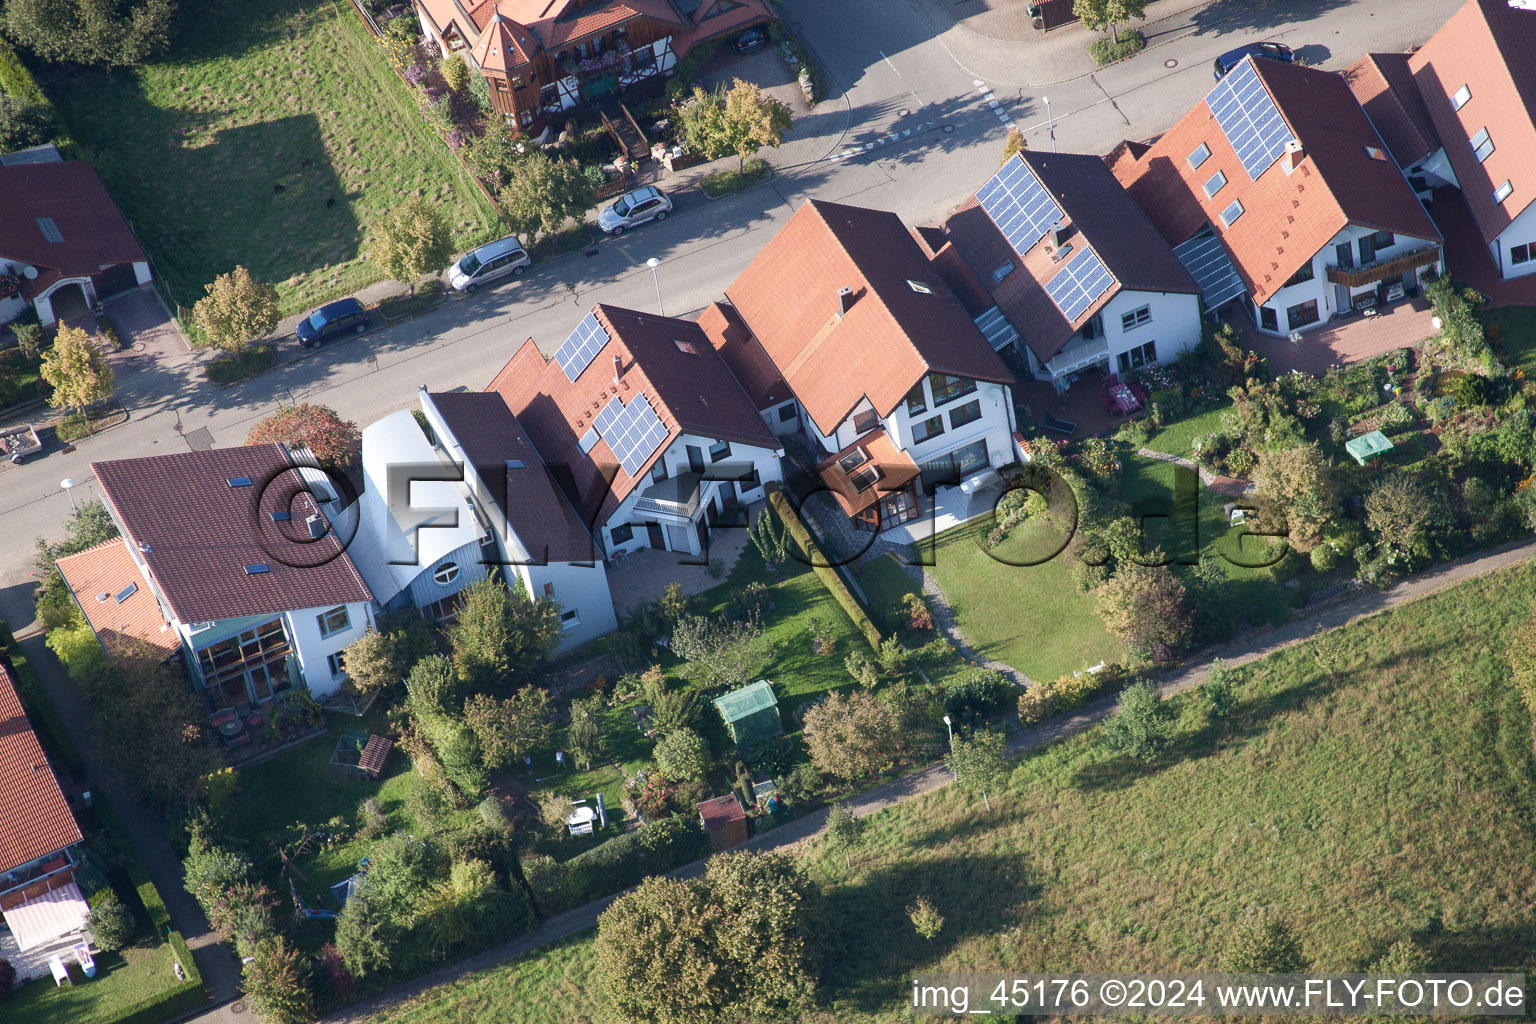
x=1031 y=616
x=230 y=150
x=1175 y=439
x=1518 y=325
x=122 y=980
x=1371 y=786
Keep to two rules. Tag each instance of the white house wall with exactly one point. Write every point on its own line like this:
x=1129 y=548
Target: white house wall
x=1323 y=291
x=1174 y=327
x=764 y=460
x=775 y=420
x=1521 y=231
x=579 y=588
x=995 y=425
x=311 y=650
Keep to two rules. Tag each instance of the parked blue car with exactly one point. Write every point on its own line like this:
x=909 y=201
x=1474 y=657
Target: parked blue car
x=1273 y=51
x=344 y=316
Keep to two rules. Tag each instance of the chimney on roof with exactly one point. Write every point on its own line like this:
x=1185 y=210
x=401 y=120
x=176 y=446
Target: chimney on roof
x=316 y=526
x=844 y=301
x=1293 y=155
x=1060 y=233
x=618 y=368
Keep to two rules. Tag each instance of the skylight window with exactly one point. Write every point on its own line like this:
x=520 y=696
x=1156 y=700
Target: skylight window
x=589 y=439
x=1461 y=97
x=257 y=568
x=281 y=517
x=49 y=229
x=1502 y=192
x=1201 y=154
x=127 y=592
x=1002 y=272
x=1231 y=213
x=919 y=287
x=514 y=463
x=683 y=346
x=1217 y=182
x=1375 y=153
x=239 y=481
x=1482 y=145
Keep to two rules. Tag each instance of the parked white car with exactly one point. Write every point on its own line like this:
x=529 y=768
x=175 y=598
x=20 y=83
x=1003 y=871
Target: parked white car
x=493 y=261
x=632 y=208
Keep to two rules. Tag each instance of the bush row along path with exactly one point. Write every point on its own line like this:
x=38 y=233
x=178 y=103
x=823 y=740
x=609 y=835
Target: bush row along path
x=1241 y=651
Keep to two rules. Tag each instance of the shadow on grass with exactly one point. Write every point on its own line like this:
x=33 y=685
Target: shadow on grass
x=976 y=894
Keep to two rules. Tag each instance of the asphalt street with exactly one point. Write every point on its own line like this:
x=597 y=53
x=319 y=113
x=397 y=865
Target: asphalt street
x=909 y=127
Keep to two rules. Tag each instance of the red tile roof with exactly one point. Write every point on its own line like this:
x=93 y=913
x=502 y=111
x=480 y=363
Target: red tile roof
x=721 y=810
x=1098 y=215
x=1383 y=83
x=692 y=391
x=35 y=820
x=896 y=471
x=744 y=354
x=708 y=25
x=69 y=193
x=197 y=533
x=1287 y=219
x=504 y=45
x=108 y=569
x=490 y=435
x=1491 y=48
x=891 y=336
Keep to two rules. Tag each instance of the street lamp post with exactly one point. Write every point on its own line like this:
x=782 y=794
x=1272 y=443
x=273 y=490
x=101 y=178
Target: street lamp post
x=69 y=485
x=653 y=263
x=1050 y=121
x=949 y=725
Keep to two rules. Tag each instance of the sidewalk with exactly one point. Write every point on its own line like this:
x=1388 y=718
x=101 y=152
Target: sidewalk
x=1252 y=647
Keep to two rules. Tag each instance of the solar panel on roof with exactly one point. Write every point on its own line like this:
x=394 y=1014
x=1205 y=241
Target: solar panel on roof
x=633 y=432
x=1018 y=204
x=585 y=342
x=1249 y=118
x=1079 y=283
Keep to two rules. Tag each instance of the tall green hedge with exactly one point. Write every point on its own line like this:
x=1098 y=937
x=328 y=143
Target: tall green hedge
x=829 y=576
x=40 y=711
x=654 y=849
x=15 y=80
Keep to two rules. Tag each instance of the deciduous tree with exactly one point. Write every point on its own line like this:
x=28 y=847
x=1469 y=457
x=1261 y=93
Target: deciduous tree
x=77 y=370
x=1143 y=726
x=730 y=651
x=336 y=442
x=683 y=756
x=1145 y=607
x=543 y=192
x=979 y=762
x=237 y=310
x=844 y=830
x=1299 y=492
x=412 y=240
x=277 y=981
x=501 y=635
x=1098 y=15
x=108 y=33
x=737 y=121
x=852 y=735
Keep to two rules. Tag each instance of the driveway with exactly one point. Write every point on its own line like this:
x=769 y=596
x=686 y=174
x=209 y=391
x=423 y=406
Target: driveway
x=765 y=68
x=145 y=328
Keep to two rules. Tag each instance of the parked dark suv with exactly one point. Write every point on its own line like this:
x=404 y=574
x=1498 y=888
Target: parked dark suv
x=1273 y=51
x=343 y=316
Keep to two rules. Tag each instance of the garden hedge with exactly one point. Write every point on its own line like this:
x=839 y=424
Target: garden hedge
x=40 y=711
x=828 y=575
x=654 y=849
x=181 y=996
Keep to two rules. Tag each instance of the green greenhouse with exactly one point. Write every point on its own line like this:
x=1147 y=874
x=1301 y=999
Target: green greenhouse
x=751 y=713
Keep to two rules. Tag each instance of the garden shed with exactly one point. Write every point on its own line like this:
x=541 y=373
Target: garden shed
x=725 y=821
x=751 y=713
x=1367 y=446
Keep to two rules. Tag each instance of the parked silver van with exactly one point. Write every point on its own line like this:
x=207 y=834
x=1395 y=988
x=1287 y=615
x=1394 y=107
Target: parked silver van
x=493 y=261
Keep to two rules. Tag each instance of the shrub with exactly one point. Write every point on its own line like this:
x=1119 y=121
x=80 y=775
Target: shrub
x=277 y=981
x=109 y=921
x=926 y=918
x=682 y=755
x=1144 y=726
x=862 y=669
x=1108 y=51
x=1324 y=558
x=801 y=783
x=1073 y=691
x=976 y=694
x=1037 y=703
x=819 y=564
x=892 y=657
x=1088 y=577
x=455 y=72
x=230 y=369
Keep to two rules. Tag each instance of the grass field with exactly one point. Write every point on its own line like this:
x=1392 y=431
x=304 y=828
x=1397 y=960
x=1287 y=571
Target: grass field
x=272 y=136
x=122 y=980
x=1518 y=325
x=1372 y=785
x=1175 y=439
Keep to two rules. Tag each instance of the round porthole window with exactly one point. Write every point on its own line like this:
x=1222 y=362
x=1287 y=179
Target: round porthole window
x=446 y=573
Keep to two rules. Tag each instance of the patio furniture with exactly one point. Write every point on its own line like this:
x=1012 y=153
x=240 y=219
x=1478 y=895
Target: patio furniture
x=255 y=721
x=243 y=709
x=1122 y=398
x=580 y=820
x=85 y=960
x=231 y=727
x=1050 y=422
x=60 y=972
x=219 y=720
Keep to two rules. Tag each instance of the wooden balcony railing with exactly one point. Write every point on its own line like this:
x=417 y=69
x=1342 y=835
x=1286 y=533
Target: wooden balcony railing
x=1380 y=270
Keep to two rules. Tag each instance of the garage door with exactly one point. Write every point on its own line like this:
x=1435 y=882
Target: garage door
x=115 y=281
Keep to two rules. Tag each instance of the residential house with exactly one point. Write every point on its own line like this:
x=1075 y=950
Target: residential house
x=242 y=565
x=759 y=378
x=535 y=533
x=1278 y=190
x=1055 y=246
x=64 y=245
x=644 y=427
x=543 y=57
x=1477 y=79
x=39 y=899
x=895 y=380
x=1383 y=83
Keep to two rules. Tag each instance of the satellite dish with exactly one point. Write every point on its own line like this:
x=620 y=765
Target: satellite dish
x=29 y=272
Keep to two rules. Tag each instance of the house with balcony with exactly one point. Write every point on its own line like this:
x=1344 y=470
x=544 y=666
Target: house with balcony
x=532 y=531
x=647 y=432
x=541 y=58
x=899 y=389
x=64 y=245
x=39 y=899
x=1054 y=250
x=251 y=585
x=1277 y=191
